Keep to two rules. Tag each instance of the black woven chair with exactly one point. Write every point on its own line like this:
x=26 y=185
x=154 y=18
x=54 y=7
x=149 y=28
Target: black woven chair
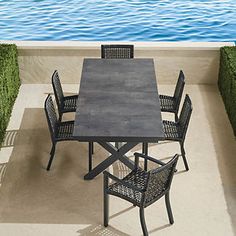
x=59 y=131
x=117 y=51
x=171 y=104
x=142 y=188
x=176 y=131
x=64 y=103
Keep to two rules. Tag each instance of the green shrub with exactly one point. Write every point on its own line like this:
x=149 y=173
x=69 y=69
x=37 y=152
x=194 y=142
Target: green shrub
x=227 y=82
x=9 y=84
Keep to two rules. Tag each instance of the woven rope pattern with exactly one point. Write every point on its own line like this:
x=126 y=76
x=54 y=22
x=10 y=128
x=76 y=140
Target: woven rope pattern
x=70 y=103
x=177 y=130
x=137 y=178
x=171 y=130
x=179 y=86
x=59 y=130
x=167 y=103
x=158 y=184
x=152 y=184
x=51 y=115
x=185 y=115
x=65 y=130
x=117 y=51
x=58 y=90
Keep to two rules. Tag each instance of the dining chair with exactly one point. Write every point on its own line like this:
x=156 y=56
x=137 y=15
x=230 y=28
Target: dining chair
x=171 y=103
x=141 y=188
x=176 y=131
x=59 y=131
x=117 y=51
x=64 y=103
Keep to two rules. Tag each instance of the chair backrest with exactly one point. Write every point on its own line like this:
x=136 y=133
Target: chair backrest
x=51 y=116
x=179 y=88
x=117 y=51
x=159 y=181
x=185 y=115
x=58 y=92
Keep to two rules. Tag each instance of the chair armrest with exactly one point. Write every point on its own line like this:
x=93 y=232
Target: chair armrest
x=109 y=175
x=137 y=155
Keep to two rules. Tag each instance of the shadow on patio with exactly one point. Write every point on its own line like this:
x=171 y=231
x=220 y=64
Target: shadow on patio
x=201 y=205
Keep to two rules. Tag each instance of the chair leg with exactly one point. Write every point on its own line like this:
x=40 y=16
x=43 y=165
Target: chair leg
x=168 y=207
x=105 y=204
x=145 y=152
x=52 y=152
x=183 y=156
x=90 y=155
x=142 y=220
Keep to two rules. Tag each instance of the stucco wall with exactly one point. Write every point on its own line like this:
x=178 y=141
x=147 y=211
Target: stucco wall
x=199 y=61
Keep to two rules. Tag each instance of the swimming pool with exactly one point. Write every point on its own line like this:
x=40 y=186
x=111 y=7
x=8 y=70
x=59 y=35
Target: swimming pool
x=118 y=20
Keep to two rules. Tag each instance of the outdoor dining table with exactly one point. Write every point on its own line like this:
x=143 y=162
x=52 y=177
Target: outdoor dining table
x=118 y=102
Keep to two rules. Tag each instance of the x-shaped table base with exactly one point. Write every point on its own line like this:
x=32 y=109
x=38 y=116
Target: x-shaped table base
x=116 y=154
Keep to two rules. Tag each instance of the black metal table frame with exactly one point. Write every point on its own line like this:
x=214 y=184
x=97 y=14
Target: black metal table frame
x=116 y=154
x=122 y=107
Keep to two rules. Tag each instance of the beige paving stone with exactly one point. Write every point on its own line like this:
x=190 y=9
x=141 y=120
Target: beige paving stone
x=59 y=202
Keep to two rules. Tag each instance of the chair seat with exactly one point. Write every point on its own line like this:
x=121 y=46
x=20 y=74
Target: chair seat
x=137 y=178
x=172 y=130
x=167 y=103
x=65 y=131
x=70 y=103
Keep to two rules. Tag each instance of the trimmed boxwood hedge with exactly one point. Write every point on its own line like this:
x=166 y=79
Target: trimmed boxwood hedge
x=9 y=84
x=227 y=82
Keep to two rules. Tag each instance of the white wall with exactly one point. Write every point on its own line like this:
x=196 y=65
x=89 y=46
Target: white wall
x=38 y=60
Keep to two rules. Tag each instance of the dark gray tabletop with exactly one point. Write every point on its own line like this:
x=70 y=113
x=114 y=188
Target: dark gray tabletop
x=118 y=102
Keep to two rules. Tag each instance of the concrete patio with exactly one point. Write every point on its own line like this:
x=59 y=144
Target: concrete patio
x=60 y=202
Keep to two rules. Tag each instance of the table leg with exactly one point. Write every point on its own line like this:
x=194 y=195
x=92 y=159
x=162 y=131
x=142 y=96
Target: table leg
x=123 y=149
x=115 y=155
x=118 y=144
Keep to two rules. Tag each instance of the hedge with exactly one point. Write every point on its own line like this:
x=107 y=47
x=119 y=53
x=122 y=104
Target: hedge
x=227 y=82
x=9 y=84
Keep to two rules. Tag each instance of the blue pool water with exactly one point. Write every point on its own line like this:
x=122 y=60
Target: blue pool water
x=118 y=20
